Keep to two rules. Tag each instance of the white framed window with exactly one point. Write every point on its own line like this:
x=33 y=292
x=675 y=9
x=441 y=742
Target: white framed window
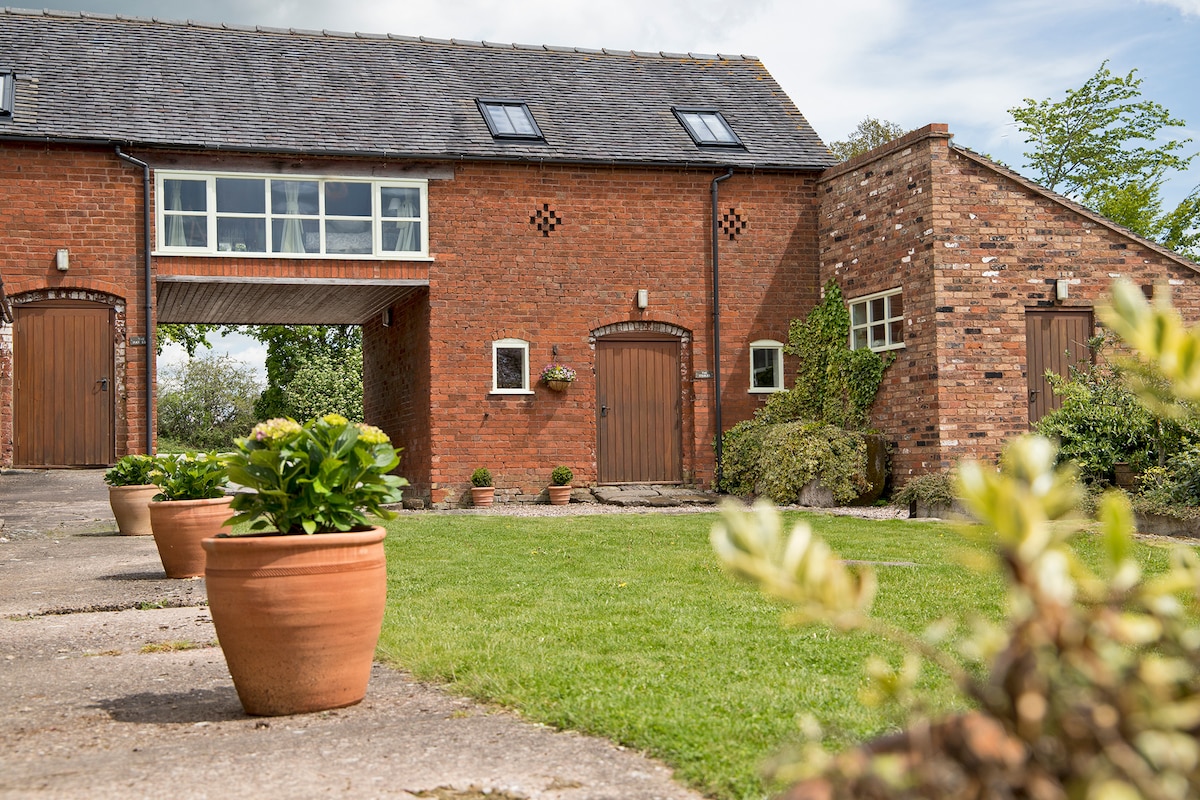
x=510 y=367
x=877 y=321
x=766 y=366
x=260 y=215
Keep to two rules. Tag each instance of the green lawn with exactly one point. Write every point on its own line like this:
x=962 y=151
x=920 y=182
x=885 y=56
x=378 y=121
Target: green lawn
x=625 y=626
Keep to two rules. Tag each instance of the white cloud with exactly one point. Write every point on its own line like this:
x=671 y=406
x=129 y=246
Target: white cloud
x=1185 y=7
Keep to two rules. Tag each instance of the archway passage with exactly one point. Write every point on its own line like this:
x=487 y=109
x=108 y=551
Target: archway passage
x=639 y=408
x=64 y=363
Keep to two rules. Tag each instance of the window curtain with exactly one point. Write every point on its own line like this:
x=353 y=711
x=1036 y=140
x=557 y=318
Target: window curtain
x=408 y=234
x=293 y=229
x=175 y=235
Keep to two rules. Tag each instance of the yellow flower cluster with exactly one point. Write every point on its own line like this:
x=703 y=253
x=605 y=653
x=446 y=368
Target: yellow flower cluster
x=372 y=435
x=274 y=429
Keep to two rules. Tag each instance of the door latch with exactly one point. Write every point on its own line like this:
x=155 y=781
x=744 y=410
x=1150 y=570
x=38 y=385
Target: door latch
x=103 y=384
x=604 y=411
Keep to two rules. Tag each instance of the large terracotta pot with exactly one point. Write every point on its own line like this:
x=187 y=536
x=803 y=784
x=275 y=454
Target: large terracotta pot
x=297 y=616
x=482 y=496
x=130 y=506
x=179 y=527
x=559 y=495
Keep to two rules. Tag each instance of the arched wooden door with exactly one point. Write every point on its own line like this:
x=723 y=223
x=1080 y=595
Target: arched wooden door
x=639 y=420
x=63 y=399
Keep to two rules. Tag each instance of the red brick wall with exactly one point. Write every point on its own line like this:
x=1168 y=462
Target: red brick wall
x=985 y=246
x=396 y=385
x=89 y=201
x=496 y=276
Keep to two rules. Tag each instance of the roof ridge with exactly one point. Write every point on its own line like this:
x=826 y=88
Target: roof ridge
x=547 y=48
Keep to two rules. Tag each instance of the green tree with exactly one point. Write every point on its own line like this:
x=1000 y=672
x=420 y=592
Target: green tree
x=869 y=134
x=291 y=348
x=190 y=337
x=206 y=402
x=1102 y=145
x=325 y=385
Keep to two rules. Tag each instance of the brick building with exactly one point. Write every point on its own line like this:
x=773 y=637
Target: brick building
x=479 y=210
x=653 y=221
x=990 y=280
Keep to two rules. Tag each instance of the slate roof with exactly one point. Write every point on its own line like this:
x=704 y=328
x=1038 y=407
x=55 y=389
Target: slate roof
x=164 y=84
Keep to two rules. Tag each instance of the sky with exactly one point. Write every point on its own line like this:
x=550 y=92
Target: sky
x=911 y=62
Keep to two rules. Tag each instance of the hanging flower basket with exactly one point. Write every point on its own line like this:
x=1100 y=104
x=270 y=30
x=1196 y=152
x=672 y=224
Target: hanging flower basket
x=558 y=376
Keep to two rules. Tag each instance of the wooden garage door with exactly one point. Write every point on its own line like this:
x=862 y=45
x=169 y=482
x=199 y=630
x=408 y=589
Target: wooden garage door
x=639 y=420
x=63 y=351
x=1056 y=341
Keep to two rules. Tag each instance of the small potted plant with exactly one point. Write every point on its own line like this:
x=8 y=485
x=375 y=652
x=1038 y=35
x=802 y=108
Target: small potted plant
x=129 y=493
x=560 y=486
x=482 y=491
x=558 y=376
x=298 y=602
x=191 y=505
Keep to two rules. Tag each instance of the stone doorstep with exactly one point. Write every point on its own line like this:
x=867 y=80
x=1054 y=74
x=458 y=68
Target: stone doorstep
x=652 y=496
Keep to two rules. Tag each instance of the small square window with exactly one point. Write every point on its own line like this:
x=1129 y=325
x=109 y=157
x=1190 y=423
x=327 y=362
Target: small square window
x=766 y=366
x=509 y=119
x=707 y=127
x=6 y=94
x=510 y=367
x=877 y=321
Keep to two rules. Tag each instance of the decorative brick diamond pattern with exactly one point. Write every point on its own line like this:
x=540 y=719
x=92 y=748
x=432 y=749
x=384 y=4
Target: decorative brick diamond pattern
x=545 y=219
x=733 y=223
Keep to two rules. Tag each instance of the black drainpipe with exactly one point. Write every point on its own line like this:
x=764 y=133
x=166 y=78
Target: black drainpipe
x=149 y=308
x=716 y=313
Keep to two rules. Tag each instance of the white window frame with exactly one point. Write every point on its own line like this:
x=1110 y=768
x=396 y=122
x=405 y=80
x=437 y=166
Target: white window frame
x=776 y=348
x=510 y=344
x=376 y=218
x=868 y=321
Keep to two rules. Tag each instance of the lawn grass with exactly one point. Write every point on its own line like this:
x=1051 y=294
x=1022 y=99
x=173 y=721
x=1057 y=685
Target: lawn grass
x=625 y=626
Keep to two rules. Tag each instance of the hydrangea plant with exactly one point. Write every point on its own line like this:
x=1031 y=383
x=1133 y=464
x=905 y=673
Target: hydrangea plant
x=323 y=476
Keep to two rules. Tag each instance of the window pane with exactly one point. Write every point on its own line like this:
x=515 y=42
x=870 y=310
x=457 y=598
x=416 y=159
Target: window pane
x=295 y=236
x=858 y=314
x=240 y=235
x=347 y=236
x=400 y=202
x=858 y=339
x=878 y=334
x=402 y=237
x=897 y=305
x=519 y=120
x=294 y=197
x=510 y=368
x=185 y=230
x=241 y=196
x=763 y=365
x=184 y=195
x=897 y=330
x=344 y=199
x=878 y=310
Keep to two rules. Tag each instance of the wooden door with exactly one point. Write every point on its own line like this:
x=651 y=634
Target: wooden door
x=63 y=353
x=639 y=421
x=1055 y=340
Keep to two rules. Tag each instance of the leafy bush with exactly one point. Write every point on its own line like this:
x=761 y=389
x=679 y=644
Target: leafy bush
x=1176 y=483
x=481 y=477
x=561 y=476
x=777 y=461
x=207 y=401
x=134 y=469
x=930 y=489
x=326 y=383
x=191 y=476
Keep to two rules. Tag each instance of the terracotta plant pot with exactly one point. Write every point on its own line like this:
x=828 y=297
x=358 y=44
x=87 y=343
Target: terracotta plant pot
x=297 y=616
x=482 y=496
x=179 y=527
x=559 y=495
x=131 y=507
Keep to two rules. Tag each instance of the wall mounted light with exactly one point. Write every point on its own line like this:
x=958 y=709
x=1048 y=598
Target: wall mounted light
x=1060 y=289
x=63 y=259
x=643 y=298
x=386 y=318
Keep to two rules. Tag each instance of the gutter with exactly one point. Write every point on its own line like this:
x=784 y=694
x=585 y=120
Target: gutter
x=148 y=313
x=716 y=315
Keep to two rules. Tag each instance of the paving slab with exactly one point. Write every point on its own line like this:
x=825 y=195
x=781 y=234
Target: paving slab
x=113 y=688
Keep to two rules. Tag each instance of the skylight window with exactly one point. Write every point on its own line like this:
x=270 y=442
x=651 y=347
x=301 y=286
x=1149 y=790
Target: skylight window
x=509 y=119
x=6 y=94
x=707 y=127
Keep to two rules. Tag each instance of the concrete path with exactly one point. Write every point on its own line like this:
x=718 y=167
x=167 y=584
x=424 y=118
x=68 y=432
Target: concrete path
x=112 y=688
